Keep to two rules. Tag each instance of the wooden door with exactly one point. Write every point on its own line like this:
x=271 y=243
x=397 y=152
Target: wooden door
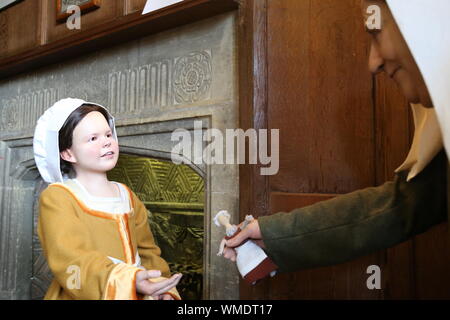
x=304 y=71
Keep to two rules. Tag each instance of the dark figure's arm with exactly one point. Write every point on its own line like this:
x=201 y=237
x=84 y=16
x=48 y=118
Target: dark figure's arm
x=358 y=223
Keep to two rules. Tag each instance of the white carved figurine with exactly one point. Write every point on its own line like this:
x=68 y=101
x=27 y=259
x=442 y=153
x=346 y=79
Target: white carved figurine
x=252 y=262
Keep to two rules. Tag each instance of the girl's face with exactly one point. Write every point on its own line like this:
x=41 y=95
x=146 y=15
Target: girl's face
x=94 y=149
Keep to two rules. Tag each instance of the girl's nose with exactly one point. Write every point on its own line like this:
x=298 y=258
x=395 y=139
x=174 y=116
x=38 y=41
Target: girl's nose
x=376 y=61
x=107 y=143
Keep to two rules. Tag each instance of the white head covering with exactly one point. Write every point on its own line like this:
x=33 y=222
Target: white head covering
x=45 y=140
x=425 y=26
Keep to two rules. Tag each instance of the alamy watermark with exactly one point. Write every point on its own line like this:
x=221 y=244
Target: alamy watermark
x=74 y=20
x=74 y=279
x=373 y=21
x=374 y=281
x=227 y=149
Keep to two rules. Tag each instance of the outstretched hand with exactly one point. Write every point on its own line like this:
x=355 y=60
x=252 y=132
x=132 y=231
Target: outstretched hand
x=155 y=289
x=251 y=231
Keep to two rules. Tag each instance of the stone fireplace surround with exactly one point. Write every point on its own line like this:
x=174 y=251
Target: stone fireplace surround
x=152 y=86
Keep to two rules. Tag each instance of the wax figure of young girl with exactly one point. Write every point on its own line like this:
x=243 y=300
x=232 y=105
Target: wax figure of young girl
x=94 y=232
x=412 y=46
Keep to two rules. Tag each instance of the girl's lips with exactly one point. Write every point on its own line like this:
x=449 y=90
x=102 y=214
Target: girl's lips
x=108 y=154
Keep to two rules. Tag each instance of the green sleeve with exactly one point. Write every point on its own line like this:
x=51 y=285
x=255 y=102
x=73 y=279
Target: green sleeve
x=358 y=223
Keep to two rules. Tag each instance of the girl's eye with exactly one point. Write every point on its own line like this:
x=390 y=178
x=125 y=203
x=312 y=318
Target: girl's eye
x=93 y=139
x=109 y=135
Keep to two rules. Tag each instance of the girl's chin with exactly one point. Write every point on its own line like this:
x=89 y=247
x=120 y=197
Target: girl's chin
x=103 y=169
x=109 y=166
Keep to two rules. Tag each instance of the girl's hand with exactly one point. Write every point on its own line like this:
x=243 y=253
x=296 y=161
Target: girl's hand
x=155 y=289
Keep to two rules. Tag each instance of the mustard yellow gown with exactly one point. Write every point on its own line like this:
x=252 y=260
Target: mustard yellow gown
x=95 y=255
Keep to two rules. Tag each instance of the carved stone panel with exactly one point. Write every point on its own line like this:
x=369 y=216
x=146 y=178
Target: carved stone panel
x=192 y=77
x=41 y=276
x=185 y=79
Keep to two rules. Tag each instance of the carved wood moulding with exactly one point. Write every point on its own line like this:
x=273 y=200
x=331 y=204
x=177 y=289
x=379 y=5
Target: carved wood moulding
x=123 y=29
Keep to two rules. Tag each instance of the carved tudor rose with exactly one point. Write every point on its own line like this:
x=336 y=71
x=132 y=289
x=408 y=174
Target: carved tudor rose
x=192 y=77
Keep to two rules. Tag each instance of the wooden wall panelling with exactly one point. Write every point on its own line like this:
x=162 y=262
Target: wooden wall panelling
x=15 y=35
x=42 y=23
x=108 y=11
x=113 y=32
x=342 y=129
x=320 y=96
x=288 y=43
x=253 y=194
x=4 y=26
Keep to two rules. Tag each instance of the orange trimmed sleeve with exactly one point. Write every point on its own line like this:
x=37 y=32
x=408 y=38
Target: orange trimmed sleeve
x=149 y=252
x=121 y=283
